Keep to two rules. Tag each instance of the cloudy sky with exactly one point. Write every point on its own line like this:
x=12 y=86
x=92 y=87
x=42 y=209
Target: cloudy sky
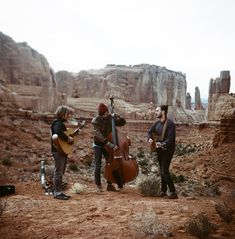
x=196 y=37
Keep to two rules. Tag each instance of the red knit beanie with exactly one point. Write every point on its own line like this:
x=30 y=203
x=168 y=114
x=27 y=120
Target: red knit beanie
x=102 y=108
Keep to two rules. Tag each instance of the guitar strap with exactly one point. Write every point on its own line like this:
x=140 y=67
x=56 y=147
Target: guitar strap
x=156 y=138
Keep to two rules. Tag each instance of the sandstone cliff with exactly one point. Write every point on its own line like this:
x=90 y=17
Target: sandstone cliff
x=26 y=76
x=135 y=84
x=220 y=101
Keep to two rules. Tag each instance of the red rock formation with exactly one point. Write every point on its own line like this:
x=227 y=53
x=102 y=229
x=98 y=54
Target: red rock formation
x=226 y=133
x=188 y=101
x=137 y=84
x=27 y=74
x=220 y=101
x=198 y=102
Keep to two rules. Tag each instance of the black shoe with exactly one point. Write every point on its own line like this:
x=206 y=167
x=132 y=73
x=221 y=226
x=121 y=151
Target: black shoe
x=172 y=196
x=111 y=188
x=67 y=196
x=61 y=197
x=162 y=194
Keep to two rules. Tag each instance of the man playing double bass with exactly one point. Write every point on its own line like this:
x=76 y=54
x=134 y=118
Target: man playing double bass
x=102 y=124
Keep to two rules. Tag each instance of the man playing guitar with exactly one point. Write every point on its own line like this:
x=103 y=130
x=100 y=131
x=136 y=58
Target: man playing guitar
x=57 y=130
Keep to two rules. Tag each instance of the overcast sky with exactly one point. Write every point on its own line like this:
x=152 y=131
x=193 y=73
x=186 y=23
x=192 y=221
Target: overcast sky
x=196 y=37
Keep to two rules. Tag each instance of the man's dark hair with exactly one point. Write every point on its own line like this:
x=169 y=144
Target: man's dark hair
x=164 y=108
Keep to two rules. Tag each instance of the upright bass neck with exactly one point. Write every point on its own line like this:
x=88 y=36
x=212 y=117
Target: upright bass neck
x=114 y=134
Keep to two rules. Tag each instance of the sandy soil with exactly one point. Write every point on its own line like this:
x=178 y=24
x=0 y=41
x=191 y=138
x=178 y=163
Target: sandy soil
x=29 y=213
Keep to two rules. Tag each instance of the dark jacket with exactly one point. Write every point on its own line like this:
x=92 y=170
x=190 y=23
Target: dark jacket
x=103 y=127
x=58 y=127
x=169 y=137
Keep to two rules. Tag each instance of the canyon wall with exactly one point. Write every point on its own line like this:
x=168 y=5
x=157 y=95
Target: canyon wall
x=26 y=78
x=135 y=84
x=220 y=100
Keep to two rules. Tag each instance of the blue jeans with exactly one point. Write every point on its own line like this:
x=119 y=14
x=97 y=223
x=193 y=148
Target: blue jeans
x=60 y=165
x=99 y=152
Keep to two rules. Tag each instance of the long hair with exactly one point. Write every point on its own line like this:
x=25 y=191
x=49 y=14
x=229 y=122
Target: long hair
x=62 y=110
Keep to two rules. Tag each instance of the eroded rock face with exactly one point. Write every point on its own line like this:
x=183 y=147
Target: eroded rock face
x=220 y=85
x=198 y=102
x=135 y=84
x=65 y=82
x=188 y=101
x=220 y=101
x=27 y=74
x=226 y=133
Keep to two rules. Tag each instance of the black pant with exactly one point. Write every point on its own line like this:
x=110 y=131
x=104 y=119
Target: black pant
x=99 y=152
x=164 y=159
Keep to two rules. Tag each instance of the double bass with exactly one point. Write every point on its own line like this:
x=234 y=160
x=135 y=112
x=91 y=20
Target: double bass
x=121 y=167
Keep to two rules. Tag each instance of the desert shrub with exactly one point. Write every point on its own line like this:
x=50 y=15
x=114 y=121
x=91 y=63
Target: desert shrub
x=178 y=179
x=211 y=189
x=147 y=161
x=6 y=162
x=224 y=211
x=73 y=167
x=200 y=227
x=140 y=152
x=148 y=185
x=148 y=224
x=181 y=149
x=78 y=188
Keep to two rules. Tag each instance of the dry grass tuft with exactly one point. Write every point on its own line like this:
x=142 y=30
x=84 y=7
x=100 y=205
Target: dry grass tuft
x=148 y=224
x=200 y=227
x=148 y=185
x=78 y=188
x=224 y=211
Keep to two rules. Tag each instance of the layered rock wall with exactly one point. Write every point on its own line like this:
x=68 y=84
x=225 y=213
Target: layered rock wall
x=219 y=100
x=198 y=102
x=226 y=132
x=65 y=82
x=135 y=84
x=22 y=69
x=188 y=101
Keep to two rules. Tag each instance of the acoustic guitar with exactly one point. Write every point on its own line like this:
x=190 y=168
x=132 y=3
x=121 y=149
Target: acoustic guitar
x=64 y=146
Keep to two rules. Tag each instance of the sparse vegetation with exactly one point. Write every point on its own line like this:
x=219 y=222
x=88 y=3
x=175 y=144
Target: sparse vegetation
x=148 y=185
x=148 y=224
x=73 y=167
x=7 y=162
x=200 y=227
x=182 y=149
x=211 y=190
x=140 y=152
x=178 y=179
x=224 y=211
x=78 y=188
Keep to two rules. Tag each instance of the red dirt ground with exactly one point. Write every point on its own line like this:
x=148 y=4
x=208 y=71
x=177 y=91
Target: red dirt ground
x=112 y=215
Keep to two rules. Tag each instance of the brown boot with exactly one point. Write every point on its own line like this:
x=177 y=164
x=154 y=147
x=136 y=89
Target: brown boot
x=110 y=187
